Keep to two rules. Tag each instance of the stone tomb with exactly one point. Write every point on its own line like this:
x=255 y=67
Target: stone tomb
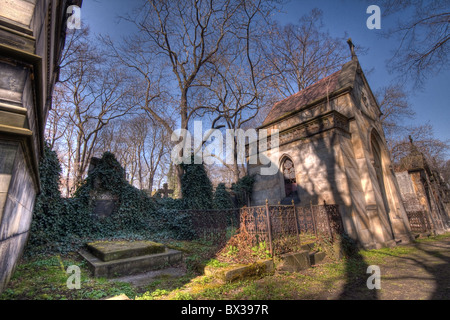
x=111 y=259
x=332 y=149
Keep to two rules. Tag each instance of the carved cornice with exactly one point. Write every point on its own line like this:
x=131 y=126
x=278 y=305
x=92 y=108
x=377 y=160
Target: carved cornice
x=318 y=125
x=324 y=122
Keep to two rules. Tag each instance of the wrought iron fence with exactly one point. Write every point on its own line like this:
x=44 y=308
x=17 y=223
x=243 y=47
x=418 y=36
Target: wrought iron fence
x=281 y=226
x=212 y=224
x=418 y=221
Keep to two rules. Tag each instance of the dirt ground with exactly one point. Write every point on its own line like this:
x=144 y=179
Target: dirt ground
x=421 y=275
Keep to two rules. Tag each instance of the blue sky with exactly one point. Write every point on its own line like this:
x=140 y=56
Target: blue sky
x=340 y=17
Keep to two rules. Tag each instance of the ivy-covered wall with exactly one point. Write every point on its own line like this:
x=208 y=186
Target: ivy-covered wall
x=66 y=224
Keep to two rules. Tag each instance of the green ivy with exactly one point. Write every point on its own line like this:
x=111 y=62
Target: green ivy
x=60 y=225
x=196 y=187
x=50 y=209
x=243 y=189
x=222 y=198
x=64 y=224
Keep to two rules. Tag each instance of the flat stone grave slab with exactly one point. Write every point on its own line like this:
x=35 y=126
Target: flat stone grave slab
x=113 y=259
x=115 y=250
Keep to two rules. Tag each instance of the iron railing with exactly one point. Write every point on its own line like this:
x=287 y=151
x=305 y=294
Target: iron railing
x=281 y=226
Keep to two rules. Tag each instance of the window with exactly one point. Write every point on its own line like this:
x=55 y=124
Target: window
x=290 y=182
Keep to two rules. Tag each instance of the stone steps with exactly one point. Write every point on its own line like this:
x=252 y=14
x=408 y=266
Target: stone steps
x=111 y=259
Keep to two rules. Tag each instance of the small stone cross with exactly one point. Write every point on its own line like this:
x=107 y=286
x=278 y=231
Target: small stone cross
x=165 y=190
x=352 y=47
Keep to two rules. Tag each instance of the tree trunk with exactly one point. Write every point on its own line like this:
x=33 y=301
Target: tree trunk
x=236 y=171
x=150 y=181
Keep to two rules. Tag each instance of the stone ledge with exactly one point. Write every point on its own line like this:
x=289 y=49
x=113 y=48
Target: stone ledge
x=297 y=261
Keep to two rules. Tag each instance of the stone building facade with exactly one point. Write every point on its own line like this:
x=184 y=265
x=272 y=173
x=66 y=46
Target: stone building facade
x=425 y=195
x=32 y=36
x=332 y=149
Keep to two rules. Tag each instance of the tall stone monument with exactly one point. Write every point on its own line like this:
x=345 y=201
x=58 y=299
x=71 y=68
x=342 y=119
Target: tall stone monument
x=32 y=37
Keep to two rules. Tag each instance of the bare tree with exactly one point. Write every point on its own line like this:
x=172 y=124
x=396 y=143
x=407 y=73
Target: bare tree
x=240 y=84
x=56 y=124
x=91 y=94
x=423 y=37
x=395 y=109
x=301 y=54
x=434 y=149
x=141 y=146
x=184 y=36
x=183 y=39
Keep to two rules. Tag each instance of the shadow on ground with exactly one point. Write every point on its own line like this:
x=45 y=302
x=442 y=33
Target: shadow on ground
x=421 y=274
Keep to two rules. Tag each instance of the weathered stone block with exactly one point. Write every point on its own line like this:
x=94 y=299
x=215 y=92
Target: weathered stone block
x=295 y=261
x=316 y=257
x=240 y=271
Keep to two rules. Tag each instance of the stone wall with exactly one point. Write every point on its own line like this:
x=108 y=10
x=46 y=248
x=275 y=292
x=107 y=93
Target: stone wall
x=420 y=195
x=32 y=35
x=18 y=194
x=408 y=192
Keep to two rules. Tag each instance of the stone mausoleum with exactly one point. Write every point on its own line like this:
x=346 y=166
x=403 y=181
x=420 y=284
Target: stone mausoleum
x=332 y=149
x=425 y=195
x=32 y=36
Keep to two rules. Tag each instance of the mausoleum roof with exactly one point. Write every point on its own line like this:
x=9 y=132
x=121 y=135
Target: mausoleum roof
x=315 y=92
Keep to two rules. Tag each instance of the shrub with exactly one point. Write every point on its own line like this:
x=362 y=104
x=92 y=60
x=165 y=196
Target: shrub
x=243 y=190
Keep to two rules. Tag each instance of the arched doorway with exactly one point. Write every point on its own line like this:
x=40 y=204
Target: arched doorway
x=378 y=166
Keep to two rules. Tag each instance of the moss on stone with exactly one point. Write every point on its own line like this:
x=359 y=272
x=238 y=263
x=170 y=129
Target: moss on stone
x=240 y=271
x=114 y=250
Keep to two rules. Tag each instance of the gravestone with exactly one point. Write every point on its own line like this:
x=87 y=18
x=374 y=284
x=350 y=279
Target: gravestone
x=103 y=201
x=165 y=191
x=104 y=204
